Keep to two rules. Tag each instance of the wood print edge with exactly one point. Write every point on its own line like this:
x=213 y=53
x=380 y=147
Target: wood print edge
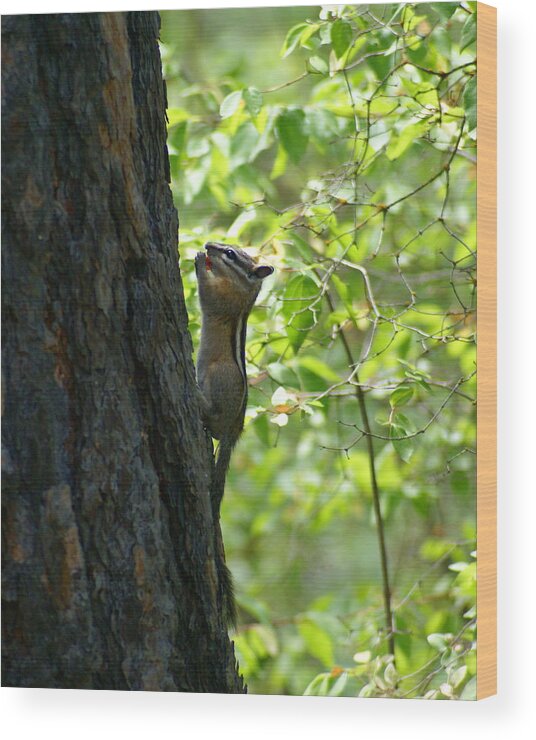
x=487 y=352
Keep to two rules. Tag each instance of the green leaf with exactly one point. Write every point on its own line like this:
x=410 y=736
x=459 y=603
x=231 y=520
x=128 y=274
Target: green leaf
x=390 y=675
x=380 y=64
x=318 y=642
x=468 y=32
x=195 y=179
x=177 y=115
x=458 y=567
x=438 y=642
x=299 y=293
x=460 y=482
x=401 y=395
x=240 y=223
x=341 y=37
x=230 y=104
x=283 y=374
x=177 y=136
x=253 y=606
x=339 y=685
x=469 y=102
x=469 y=690
x=197 y=147
x=262 y=428
x=319 y=368
x=243 y=144
x=317 y=65
x=263 y=640
x=458 y=676
x=291 y=130
x=367 y=691
x=280 y=163
x=248 y=660
x=306 y=35
x=292 y=39
x=174 y=161
x=253 y=100
x=342 y=289
x=222 y=142
x=322 y=124
x=404 y=447
x=445 y=10
x=317 y=684
x=402 y=141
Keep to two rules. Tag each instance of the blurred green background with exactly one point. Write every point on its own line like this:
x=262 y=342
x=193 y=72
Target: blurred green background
x=340 y=143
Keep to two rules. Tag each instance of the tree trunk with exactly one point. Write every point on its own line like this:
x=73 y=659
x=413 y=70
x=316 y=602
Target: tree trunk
x=108 y=539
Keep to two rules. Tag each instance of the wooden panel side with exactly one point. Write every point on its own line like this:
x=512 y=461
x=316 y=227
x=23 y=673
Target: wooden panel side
x=487 y=351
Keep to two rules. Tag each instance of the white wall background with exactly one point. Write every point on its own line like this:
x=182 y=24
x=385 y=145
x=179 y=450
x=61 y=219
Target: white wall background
x=57 y=714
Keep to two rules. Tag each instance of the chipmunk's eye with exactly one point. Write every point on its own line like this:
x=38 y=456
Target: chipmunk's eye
x=230 y=253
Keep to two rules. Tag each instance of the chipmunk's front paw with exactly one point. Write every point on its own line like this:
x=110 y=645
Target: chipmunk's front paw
x=200 y=261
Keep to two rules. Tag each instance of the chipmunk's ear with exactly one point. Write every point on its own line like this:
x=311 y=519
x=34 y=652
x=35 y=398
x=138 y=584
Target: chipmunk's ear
x=263 y=271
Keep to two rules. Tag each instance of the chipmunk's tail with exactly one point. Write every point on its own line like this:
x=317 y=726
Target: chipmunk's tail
x=225 y=580
x=223 y=460
x=225 y=584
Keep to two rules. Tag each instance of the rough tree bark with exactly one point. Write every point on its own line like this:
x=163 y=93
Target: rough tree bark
x=108 y=541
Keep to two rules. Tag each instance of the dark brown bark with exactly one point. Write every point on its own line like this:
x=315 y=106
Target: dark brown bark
x=108 y=539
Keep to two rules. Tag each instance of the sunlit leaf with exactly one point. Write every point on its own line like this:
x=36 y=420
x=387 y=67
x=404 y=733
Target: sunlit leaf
x=437 y=641
x=292 y=39
x=230 y=104
x=390 y=675
x=339 y=685
x=458 y=567
x=317 y=64
x=458 y=676
x=469 y=690
x=317 y=685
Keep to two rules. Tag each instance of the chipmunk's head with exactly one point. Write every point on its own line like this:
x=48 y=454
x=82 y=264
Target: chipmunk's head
x=229 y=279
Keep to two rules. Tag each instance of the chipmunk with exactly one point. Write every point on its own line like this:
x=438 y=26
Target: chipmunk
x=229 y=281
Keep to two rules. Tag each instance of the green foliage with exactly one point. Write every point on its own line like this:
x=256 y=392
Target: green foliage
x=340 y=142
x=291 y=128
